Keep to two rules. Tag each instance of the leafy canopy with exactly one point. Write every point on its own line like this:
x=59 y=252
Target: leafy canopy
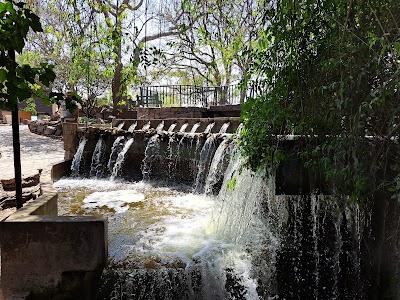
x=329 y=72
x=17 y=82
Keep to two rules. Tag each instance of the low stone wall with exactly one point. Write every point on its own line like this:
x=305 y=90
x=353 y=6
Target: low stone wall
x=204 y=122
x=45 y=256
x=168 y=164
x=188 y=112
x=48 y=128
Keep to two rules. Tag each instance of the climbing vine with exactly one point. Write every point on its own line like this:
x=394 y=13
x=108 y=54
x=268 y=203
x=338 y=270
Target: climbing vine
x=328 y=71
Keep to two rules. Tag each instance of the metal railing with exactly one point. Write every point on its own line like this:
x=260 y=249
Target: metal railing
x=188 y=96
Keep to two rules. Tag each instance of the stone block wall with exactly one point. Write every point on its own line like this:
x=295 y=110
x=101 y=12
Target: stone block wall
x=45 y=256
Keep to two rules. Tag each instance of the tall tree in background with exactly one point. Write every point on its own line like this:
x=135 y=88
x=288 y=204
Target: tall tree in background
x=77 y=43
x=128 y=22
x=215 y=37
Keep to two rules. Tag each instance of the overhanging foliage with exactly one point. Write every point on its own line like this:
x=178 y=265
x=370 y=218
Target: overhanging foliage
x=329 y=69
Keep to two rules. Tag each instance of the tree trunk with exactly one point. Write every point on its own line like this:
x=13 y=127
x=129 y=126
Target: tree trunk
x=17 y=157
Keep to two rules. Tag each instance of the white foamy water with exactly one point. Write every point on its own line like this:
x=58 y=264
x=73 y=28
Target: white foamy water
x=158 y=227
x=90 y=184
x=116 y=200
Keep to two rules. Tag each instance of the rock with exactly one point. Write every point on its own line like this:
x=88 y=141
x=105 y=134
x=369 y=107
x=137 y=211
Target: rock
x=50 y=130
x=40 y=128
x=9 y=184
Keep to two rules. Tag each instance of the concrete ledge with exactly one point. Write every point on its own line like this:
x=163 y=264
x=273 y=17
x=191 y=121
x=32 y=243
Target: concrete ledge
x=47 y=256
x=234 y=123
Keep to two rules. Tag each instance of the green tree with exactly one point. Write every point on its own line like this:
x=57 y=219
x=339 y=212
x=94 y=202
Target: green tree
x=329 y=70
x=127 y=22
x=17 y=82
x=215 y=37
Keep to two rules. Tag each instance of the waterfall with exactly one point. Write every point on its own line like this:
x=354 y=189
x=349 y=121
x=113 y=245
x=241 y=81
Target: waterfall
x=209 y=128
x=300 y=246
x=120 y=159
x=218 y=167
x=151 y=153
x=171 y=127
x=172 y=155
x=96 y=168
x=224 y=128
x=76 y=162
x=132 y=127
x=255 y=243
x=195 y=127
x=183 y=128
x=146 y=126
x=206 y=154
x=160 y=127
x=116 y=148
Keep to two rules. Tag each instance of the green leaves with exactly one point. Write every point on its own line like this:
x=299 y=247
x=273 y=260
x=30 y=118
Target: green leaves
x=3 y=75
x=333 y=75
x=18 y=82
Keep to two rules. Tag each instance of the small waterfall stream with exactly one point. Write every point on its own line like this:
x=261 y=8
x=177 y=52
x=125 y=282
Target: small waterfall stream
x=209 y=127
x=224 y=128
x=115 y=150
x=171 y=127
x=146 y=126
x=76 y=162
x=96 y=168
x=120 y=159
x=151 y=153
x=160 y=127
x=206 y=155
x=120 y=125
x=195 y=127
x=132 y=127
x=183 y=127
x=217 y=168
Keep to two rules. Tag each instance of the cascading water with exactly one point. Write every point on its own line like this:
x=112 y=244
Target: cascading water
x=151 y=153
x=239 y=129
x=218 y=166
x=160 y=127
x=96 y=168
x=195 y=127
x=76 y=162
x=209 y=127
x=146 y=126
x=224 y=128
x=171 y=127
x=115 y=150
x=245 y=243
x=132 y=127
x=120 y=159
x=120 y=125
x=183 y=127
x=172 y=155
x=206 y=155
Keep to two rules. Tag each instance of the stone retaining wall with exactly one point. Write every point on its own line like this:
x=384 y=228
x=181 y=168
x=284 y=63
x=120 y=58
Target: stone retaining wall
x=45 y=256
x=48 y=128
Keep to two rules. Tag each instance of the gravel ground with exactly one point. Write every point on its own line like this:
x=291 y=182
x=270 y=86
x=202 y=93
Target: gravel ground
x=37 y=152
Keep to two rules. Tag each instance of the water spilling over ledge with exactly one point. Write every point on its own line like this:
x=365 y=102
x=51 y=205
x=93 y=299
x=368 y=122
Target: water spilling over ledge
x=218 y=230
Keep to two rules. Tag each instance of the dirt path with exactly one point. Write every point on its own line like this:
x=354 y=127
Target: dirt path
x=37 y=152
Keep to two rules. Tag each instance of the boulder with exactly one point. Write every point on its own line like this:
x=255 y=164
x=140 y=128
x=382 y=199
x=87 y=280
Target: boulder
x=50 y=130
